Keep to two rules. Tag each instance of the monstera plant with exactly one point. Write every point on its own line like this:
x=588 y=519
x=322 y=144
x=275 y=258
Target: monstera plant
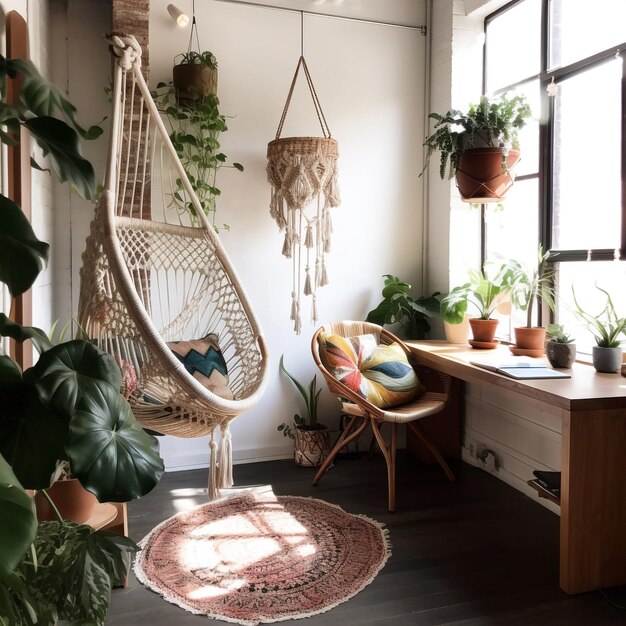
x=65 y=411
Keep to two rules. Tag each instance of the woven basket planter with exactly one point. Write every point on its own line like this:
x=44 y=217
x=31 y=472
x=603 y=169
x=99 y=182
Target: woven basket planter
x=311 y=446
x=193 y=81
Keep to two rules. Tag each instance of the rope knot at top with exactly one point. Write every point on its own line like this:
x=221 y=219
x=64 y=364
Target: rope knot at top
x=126 y=49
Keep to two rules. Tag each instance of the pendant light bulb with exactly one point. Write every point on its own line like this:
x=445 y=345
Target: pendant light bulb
x=181 y=19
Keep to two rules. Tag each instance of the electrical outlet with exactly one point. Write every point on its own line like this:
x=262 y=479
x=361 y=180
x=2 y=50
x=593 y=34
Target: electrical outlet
x=476 y=448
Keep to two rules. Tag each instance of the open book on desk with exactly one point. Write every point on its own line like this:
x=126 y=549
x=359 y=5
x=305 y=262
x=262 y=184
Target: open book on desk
x=520 y=368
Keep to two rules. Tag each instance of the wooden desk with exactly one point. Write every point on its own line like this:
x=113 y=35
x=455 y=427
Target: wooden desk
x=593 y=458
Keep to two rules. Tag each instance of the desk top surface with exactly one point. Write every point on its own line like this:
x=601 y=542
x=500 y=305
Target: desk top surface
x=585 y=390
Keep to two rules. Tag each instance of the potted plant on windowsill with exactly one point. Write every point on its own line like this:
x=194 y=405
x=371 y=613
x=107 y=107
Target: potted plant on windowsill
x=528 y=287
x=66 y=409
x=480 y=147
x=485 y=294
x=194 y=76
x=398 y=307
x=606 y=328
x=560 y=347
x=311 y=440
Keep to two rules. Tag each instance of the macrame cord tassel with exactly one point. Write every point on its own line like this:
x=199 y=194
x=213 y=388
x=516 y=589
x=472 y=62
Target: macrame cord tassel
x=226 y=459
x=213 y=491
x=314 y=316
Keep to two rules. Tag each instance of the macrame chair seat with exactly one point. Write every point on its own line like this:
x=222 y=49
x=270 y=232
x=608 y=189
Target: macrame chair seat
x=363 y=413
x=153 y=274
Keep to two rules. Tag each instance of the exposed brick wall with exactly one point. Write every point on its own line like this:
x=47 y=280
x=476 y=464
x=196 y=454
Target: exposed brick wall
x=132 y=17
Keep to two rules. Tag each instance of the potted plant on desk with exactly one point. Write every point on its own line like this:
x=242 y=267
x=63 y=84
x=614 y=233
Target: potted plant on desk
x=485 y=291
x=311 y=440
x=528 y=288
x=480 y=147
x=560 y=347
x=606 y=327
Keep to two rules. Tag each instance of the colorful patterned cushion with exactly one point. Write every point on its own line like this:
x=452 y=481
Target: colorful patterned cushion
x=203 y=359
x=379 y=373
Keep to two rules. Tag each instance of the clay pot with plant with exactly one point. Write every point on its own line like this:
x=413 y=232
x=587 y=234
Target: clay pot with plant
x=480 y=147
x=311 y=439
x=398 y=307
x=608 y=329
x=194 y=76
x=560 y=347
x=485 y=291
x=531 y=286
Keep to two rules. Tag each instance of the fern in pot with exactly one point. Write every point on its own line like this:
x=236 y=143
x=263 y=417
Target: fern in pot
x=311 y=439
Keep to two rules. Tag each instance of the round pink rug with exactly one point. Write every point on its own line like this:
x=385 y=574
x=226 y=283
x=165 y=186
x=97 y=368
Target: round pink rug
x=257 y=558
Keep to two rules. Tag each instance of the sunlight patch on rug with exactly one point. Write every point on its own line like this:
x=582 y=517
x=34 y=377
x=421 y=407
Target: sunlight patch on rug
x=259 y=558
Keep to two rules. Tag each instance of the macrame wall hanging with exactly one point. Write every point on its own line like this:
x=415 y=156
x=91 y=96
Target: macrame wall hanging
x=303 y=174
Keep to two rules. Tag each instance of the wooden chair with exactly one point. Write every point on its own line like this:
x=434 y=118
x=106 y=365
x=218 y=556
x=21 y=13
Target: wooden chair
x=429 y=403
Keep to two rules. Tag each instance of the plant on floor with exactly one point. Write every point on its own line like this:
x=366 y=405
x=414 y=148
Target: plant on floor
x=399 y=307
x=492 y=123
x=310 y=396
x=195 y=131
x=65 y=410
x=485 y=290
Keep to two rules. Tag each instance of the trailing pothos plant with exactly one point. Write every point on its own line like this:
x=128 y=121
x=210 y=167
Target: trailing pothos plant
x=66 y=410
x=194 y=131
x=399 y=307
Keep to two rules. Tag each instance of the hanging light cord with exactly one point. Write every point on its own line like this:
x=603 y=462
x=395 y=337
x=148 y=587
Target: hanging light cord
x=194 y=29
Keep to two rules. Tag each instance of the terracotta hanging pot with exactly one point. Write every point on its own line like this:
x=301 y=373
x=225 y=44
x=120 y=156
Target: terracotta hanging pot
x=311 y=445
x=193 y=81
x=74 y=502
x=480 y=177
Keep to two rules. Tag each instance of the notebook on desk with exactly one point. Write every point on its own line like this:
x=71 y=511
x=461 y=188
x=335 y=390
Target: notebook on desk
x=520 y=368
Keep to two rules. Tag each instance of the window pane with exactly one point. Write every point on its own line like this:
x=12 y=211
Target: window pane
x=610 y=275
x=581 y=29
x=513 y=233
x=515 y=30
x=587 y=160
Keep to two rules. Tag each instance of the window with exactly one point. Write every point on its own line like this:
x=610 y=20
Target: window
x=568 y=193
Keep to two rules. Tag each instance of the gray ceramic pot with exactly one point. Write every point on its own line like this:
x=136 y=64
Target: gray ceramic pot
x=560 y=355
x=607 y=359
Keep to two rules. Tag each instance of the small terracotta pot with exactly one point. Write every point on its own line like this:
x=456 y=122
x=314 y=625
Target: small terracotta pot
x=480 y=177
x=561 y=355
x=483 y=330
x=74 y=502
x=530 y=338
x=311 y=446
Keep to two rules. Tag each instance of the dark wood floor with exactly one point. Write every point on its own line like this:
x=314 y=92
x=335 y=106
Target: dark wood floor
x=471 y=552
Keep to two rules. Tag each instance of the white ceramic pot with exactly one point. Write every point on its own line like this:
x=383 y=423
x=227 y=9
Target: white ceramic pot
x=457 y=333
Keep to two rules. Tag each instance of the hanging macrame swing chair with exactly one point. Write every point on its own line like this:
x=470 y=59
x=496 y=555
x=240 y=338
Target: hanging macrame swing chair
x=303 y=174
x=158 y=291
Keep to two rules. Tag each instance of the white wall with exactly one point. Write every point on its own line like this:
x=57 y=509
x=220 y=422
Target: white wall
x=370 y=81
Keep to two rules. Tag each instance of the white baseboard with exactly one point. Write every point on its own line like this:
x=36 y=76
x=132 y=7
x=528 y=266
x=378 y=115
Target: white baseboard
x=181 y=462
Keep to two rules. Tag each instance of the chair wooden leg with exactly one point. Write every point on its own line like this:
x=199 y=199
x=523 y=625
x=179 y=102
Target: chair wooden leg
x=342 y=442
x=419 y=431
x=390 y=457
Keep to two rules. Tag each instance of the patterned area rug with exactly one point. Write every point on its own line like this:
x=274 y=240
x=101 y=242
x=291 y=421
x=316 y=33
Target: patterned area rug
x=260 y=558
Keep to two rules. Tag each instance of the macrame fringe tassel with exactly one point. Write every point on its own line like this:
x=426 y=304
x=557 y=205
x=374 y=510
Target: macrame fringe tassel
x=226 y=459
x=287 y=244
x=298 y=321
x=318 y=274
x=294 y=306
x=307 y=283
x=213 y=491
x=314 y=316
x=324 y=278
x=308 y=239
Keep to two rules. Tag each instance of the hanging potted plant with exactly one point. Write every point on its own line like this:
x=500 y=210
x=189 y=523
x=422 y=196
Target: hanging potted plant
x=480 y=147
x=194 y=76
x=311 y=440
x=606 y=328
x=528 y=287
x=560 y=347
x=485 y=294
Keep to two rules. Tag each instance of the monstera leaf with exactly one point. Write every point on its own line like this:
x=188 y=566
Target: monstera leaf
x=18 y=524
x=32 y=439
x=65 y=373
x=22 y=255
x=109 y=452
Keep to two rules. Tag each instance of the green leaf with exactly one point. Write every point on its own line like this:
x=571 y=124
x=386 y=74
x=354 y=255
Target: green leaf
x=22 y=255
x=22 y=333
x=238 y=166
x=18 y=524
x=109 y=452
x=60 y=142
x=67 y=372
